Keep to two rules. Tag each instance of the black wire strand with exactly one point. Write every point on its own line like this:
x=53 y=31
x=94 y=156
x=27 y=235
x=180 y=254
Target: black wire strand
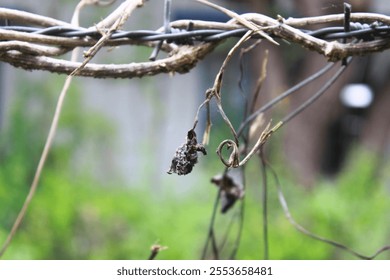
x=357 y=30
x=285 y=94
x=318 y=94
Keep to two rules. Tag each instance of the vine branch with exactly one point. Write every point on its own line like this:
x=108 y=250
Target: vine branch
x=37 y=51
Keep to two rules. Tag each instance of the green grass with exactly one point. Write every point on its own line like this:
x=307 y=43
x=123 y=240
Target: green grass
x=76 y=216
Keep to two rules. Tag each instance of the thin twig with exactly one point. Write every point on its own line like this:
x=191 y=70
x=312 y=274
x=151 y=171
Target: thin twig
x=215 y=91
x=154 y=250
x=210 y=233
x=265 y=203
x=285 y=94
x=260 y=81
x=267 y=132
x=248 y=110
x=122 y=12
x=243 y=52
x=214 y=245
x=318 y=94
x=240 y=227
x=227 y=233
x=45 y=152
x=250 y=25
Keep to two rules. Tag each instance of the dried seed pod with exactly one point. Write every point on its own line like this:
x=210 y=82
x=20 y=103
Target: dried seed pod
x=186 y=156
x=231 y=190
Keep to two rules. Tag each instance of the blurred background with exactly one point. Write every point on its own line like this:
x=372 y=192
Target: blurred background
x=105 y=193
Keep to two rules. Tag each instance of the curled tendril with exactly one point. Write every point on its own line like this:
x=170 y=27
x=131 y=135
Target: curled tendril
x=234 y=159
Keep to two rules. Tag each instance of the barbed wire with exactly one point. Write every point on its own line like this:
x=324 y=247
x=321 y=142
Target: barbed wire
x=365 y=32
x=36 y=42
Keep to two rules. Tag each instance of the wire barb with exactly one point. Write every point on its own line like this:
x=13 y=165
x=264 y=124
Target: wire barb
x=347 y=28
x=167 y=29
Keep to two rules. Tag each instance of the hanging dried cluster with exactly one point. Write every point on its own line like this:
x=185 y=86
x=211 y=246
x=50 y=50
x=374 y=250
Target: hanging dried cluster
x=186 y=156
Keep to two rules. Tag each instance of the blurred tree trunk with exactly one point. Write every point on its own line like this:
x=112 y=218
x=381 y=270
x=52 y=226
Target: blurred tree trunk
x=305 y=137
x=376 y=130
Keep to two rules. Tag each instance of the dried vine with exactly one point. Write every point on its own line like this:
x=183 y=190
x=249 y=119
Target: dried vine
x=37 y=49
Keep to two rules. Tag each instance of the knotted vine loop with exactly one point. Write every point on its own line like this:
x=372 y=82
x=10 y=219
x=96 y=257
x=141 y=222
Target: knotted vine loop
x=234 y=160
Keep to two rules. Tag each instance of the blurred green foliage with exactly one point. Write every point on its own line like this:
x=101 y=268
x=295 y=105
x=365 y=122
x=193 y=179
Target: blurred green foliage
x=76 y=216
x=351 y=210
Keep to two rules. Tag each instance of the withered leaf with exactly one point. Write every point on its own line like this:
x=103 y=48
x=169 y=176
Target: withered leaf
x=186 y=156
x=230 y=190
